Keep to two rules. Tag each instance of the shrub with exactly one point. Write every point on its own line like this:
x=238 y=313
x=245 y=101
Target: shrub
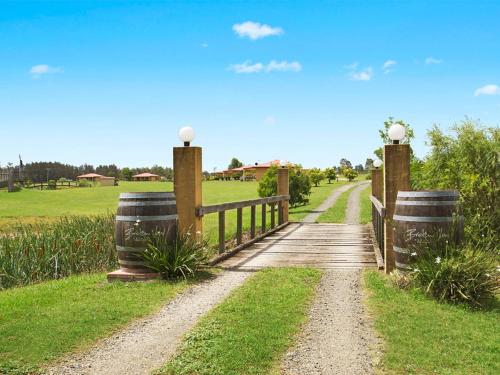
x=468 y=162
x=330 y=174
x=350 y=173
x=180 y=258
x=316 y=176
x=84 y=183
x=452 y=273
x=32 y=253
x=299 y=185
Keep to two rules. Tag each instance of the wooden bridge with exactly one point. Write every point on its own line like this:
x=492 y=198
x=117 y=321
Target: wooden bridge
x=326 y=246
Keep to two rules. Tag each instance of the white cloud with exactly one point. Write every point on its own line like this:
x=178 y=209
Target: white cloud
x=389 y=65
x=270 y=120
x=364 y=75
x=204 y=45
x=432 y=60
x=273 y=66
x=38 y=70
x=246 y=67
x=255 y=30
x=487 y=90
x=283 y=66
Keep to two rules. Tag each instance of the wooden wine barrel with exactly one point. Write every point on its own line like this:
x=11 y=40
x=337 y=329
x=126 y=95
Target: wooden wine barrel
x=420 y=214
x=151 y=212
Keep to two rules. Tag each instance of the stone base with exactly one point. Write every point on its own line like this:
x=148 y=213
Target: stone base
x=127 y=275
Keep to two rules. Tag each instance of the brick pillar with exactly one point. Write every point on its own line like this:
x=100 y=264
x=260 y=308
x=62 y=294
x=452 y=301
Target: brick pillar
x=396 y=177
x=187 y=187
x=283 y=189
x=378 y=184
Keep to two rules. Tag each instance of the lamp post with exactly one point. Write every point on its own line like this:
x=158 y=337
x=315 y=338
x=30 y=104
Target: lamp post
x=397 y=133
x=377 y=164
x=186 y=135
x=187 y=182
x=396 y=177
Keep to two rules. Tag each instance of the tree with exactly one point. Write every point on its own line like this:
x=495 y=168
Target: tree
x=368 y=164
x=384 y=135
x=330 y=174
x=126 y=173
x=344 y=163
x=350 y=173
x=468 y=161
x=235 y=163
x=299 y=185
x=316 y=176
x=359 y=168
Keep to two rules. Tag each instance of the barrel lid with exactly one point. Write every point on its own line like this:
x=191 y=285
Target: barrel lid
x=147 y=194
x=428 y=194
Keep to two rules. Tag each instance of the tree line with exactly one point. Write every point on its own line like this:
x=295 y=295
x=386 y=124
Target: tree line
x=42 y=171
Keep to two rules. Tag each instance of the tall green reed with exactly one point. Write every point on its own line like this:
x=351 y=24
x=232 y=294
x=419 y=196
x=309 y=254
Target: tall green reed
x=31 y=253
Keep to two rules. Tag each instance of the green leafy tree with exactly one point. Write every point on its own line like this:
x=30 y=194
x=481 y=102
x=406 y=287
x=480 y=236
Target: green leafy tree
x=467 y=160
x=126 y=173
x=299 y=185
x=330 y=174
x=235 y=163
x=368 y=164
x=384 y=135
x=316 y=176
x=350 y=173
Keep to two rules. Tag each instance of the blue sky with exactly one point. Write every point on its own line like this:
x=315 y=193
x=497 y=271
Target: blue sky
x=112 y=82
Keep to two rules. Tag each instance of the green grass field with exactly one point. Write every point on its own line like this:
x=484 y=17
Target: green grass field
x=39 y=323
x=422 y=336
x=249 y=331
x=33 y=205
x=336 y=213
x=365 y=209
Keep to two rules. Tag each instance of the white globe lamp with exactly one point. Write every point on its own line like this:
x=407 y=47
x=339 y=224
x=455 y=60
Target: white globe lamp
x=186 y=135
x=377 y=163
x=397 y=133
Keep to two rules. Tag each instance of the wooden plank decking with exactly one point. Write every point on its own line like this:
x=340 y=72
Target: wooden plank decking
x=310 y=245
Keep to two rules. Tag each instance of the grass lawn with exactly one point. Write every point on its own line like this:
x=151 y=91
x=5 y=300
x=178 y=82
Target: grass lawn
x=424 y=337
x=336 y=213
x=365 y=209
x=41 y=322
x=318 y=195
x=33 y=205
x=249 y=332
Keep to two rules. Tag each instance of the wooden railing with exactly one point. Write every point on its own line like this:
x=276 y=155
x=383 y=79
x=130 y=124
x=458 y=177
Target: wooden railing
x=45 y=185
x=221 y=209
x=378 y=215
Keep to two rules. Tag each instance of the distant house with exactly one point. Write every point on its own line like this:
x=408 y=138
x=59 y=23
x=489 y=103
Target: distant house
x=90 y=177
x=255 y=171
x=146 y=177
x=94 y=177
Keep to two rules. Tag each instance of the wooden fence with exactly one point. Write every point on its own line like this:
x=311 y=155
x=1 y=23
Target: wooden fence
x=378 y=216
x=274 y=202
x=44 y=185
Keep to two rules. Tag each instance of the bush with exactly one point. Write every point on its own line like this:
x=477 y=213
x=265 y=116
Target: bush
x=181 y=258
x=32 y=253
x=452 y=273
x=468 y=162
x=330 y=174
x=316 y=176
x=299 y=186
x=350 y=173
x=84 y=183
x=52 y=185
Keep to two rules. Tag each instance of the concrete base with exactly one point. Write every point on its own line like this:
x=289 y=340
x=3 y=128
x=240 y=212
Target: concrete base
x=128 y=275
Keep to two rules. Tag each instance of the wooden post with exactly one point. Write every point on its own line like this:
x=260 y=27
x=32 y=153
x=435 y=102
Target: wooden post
x=252 y=222
x=396 y=177
x=283 y=189
x=378 y=184
x=187 y=188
